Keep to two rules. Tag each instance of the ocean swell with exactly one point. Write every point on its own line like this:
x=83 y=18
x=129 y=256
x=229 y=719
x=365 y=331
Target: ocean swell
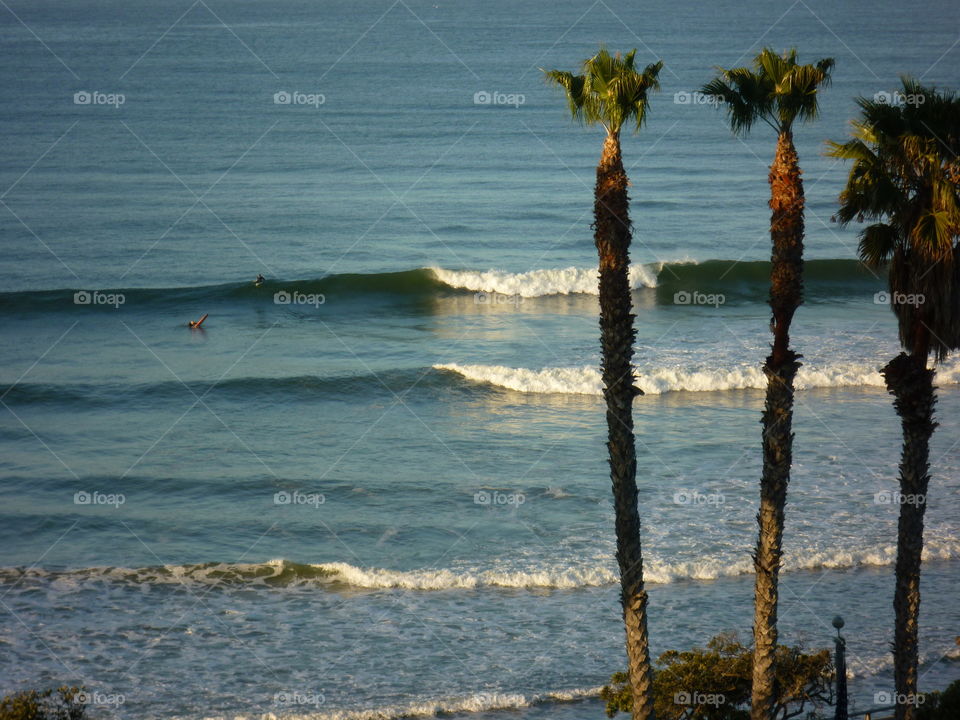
x=823 y=279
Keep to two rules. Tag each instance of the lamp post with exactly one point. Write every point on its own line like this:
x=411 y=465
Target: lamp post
x=840 y=662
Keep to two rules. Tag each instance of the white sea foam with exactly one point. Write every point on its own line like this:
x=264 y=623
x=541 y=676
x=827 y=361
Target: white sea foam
x=587 y=381
x=536 y=283
x=807 y=559
x=577 y=381
x=552 y=576
x=477 y=702
x=859 y=666
x=451 y=580
x=655 y=571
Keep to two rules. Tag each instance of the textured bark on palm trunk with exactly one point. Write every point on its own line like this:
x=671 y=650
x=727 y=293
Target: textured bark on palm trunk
x=911 y=383
x=786 y=294
x=612 y=236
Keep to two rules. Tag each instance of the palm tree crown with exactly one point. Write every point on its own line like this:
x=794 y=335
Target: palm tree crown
x=777 y=90
x=610 y=91
x=906 y=177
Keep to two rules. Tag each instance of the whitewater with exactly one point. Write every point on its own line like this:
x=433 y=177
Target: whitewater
x=741 y=278
x=539 y=283
x=587 y=380
x=280 y=573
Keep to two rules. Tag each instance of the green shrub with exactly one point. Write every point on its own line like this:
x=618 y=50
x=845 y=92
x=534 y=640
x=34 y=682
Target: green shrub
x=941 y=705
x=66 y=704
x=713 y=683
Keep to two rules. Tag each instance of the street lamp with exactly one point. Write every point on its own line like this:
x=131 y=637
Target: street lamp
x=841 y=667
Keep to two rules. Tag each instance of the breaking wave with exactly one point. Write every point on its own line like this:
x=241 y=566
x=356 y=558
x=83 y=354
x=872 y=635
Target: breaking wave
x=586 y=380
x=823 y=279
x=538 y=283
x=473 y=703
x=284 y=573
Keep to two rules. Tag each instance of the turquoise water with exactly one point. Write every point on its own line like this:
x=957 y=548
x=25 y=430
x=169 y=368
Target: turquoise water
x=377 y=483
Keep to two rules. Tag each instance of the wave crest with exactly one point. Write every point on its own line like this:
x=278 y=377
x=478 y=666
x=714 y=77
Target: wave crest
x=748 y=279
x=558 y=578
x=283 y=573
x=537 y=283
x=586 y=380
x=474 y=703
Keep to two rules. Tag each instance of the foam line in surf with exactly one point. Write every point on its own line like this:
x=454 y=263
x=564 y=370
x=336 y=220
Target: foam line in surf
x=472 y=703
x=284 y=573
x=828 y=278
x=539 y=283
x=586 y=380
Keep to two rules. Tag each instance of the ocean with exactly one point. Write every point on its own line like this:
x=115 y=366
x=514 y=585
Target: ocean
x=375 y=486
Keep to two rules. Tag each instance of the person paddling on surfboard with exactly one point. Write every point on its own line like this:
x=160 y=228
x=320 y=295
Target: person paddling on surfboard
x=195 y=324
x=259 y=281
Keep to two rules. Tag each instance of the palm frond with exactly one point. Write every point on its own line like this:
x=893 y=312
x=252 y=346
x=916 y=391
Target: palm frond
x=609 y=92
x=741 y=109
x=776 y=89
x=877 y=244
x=904 y=176
x=573 y=85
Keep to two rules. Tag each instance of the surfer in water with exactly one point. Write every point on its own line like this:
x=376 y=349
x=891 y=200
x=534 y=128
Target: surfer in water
x=259 y=281
x=196 y=324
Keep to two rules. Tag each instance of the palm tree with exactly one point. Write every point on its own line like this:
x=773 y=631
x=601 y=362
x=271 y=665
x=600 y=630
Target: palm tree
x=906 y=179
x=777 y=91
x=610 y=93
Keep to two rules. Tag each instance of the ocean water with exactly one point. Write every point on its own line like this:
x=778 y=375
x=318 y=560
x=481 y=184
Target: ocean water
x=375 y=486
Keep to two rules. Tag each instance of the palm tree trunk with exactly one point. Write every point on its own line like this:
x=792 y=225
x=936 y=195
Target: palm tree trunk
x=786 y=294
x=612 y=236
x=911 y=384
